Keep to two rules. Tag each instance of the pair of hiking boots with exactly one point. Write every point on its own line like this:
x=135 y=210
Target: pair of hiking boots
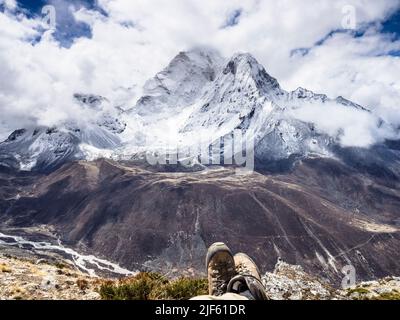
x=228 y=273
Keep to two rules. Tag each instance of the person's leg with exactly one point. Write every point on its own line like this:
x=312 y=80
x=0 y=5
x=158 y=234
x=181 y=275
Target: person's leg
x=225 y=296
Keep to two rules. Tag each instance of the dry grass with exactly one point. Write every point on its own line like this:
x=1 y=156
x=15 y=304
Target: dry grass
x=82 y=284
x=5 y=268
x=152 y=286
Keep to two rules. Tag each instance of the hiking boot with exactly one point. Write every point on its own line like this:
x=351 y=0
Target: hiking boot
x=248 y=280
x=246 y=266
x=220 y=268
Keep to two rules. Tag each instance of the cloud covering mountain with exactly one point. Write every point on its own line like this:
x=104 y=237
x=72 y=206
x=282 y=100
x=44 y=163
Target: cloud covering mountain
x=130 y=41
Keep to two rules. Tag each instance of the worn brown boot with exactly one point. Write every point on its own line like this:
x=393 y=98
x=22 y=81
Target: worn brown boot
x=220 y=267
x=245 y=265
x=248 y=279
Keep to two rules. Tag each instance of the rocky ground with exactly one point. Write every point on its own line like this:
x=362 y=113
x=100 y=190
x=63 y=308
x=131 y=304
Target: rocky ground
x=289 y=282
x=39 y=280
x=383 y=289
x=26 y=278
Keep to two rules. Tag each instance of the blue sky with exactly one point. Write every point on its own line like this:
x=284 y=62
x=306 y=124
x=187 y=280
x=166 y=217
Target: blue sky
x=392 y=24
x=36 y=5
x=68 y=29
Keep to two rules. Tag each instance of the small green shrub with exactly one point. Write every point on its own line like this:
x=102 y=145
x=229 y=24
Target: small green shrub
x=357 y=290
x=181 y=289
x=152 y=286
x=138 y=287
x=394 y=295
x=60 y=265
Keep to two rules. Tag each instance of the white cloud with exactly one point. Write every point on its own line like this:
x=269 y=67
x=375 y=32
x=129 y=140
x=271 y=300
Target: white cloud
x=351 y=126
x=138 y=38
x=9 y=4
x=358 y=68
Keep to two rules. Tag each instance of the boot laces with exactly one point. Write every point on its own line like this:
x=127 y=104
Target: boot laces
x=243 y=270
x=218 y=282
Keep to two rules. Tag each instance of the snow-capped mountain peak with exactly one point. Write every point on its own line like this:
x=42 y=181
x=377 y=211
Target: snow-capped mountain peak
x=301 y=93
x=240 y=88
x=90 y=100
x=44 y=148
x=244 y=66
x=349 y=103
x=198 y=93
x=179 y=85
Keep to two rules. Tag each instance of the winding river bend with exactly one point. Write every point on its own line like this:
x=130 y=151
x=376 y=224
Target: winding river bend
x=86 y=263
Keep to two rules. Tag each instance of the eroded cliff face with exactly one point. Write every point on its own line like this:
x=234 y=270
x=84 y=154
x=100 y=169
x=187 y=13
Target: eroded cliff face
x=322 y=215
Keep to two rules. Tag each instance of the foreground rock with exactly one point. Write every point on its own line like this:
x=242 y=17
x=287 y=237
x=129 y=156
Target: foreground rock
x=290 y=282
x=39 y=279
x=383 y=289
